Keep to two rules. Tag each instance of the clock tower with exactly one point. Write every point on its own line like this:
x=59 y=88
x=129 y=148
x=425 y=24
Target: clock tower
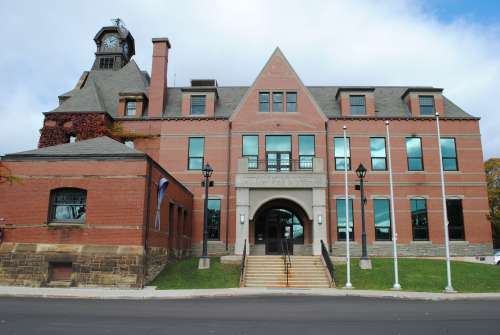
x=115 y=47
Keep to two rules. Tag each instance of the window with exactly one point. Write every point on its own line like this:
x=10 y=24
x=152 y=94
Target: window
x=455 y=219
x=131 y=108
x=72 y=139
x=449 y=153
x=378 y=155
x=414 y=153
x=106 y=63
x=251 y=150
x=278 y=102
x=195 y=153
x=426 y=103
x=306 y=151
x=291 y=102
x=278 y=152
x=68 y=205
x=341 y=232
x=213 y=226
x=130 y=144
x=198 y=104
x=419 y=221
x=382 y=218
x=264 y=102
x=339 y=153
x=358 y=105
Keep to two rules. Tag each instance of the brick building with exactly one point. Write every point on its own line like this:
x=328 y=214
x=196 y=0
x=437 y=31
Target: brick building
x=277 y=151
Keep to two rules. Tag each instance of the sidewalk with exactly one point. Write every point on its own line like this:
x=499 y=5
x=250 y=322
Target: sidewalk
x=151 y=293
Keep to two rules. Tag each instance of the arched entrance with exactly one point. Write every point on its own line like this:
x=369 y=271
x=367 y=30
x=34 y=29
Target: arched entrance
x=279 y=220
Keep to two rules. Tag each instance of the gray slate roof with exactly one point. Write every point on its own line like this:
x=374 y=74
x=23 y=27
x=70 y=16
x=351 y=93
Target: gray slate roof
x=96 y=147
x=101 y=90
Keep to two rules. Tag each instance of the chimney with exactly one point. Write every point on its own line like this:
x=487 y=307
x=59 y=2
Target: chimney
x=158 y=85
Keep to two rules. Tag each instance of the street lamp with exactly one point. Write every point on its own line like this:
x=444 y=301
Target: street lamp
x=365 y=262
x=204 y=262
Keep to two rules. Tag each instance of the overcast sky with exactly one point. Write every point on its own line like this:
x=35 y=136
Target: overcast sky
x=45 y=45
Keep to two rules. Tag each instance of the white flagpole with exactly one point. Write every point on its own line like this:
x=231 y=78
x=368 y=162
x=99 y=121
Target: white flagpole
x=396 y=285
x=449 y=287
x=348 y=284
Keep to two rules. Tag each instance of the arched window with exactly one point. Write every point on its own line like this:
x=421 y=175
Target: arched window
x=68 y=205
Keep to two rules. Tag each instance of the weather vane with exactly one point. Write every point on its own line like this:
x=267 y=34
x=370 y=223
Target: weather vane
x=118 y=22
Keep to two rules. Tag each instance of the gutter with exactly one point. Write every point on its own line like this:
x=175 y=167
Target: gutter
x=328 y=214
x=147 y=218
x=228 y=182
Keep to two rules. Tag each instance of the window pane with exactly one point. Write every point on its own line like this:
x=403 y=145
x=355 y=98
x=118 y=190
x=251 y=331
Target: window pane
x=306 y=162
x=264 y=102
x=306 y=145
x=68 y=205
x=339 y=164
x=426 y=105
x=377 y=147
x=379 y=164
x=195 y=163
x=196 y=146
x=382 y=219
x=413 y=147
x=341 y=220
x=250 y=145
x=455 y=219
x=448 y=151
x=450 y=164
x=213 y=219
x=291 y=102
x=278 y=102
x=278 y=143
x=197 y=104
x=419 y=219
x=415 y=164
x=339 y=147
x=131 y=108
x=358 y=105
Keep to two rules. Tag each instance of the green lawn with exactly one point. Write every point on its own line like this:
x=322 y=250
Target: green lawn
x=422 y=275
x=184 y=274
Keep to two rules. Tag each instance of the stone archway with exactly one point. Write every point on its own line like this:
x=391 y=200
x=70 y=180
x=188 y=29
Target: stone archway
x=279 y=219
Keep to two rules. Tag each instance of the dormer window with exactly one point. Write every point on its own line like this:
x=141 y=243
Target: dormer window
x=426 y=103
x=131 y=108
x=106 y=63
x=198 y=104
x=358 y=104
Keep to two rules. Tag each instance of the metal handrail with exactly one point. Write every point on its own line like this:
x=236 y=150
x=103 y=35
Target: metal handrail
x=328 y=262
x=280 y=165
x=287 y=261
x=243 y=264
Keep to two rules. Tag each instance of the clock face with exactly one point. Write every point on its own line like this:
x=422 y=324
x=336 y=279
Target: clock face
x=110 y=41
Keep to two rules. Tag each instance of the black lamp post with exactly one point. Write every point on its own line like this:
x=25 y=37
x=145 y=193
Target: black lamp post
x=365 y=262
x=204 y=262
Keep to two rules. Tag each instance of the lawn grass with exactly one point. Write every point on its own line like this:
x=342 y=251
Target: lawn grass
x=421 y=275
x=184 y=274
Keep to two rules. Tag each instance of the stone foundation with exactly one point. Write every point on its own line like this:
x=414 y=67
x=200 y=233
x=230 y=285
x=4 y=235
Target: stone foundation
x=91 y=265
x=158 y=258
x=416 y=249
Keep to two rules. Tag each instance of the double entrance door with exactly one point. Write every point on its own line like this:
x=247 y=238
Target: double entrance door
x=278 y=161
x=278 y=231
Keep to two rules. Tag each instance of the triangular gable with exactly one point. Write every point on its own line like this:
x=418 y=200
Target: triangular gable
x=278 y=64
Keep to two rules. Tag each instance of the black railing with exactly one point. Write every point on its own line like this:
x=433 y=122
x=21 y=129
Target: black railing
x=287 y=261
x=280 y=165
x=243 y=264
x=328 y=262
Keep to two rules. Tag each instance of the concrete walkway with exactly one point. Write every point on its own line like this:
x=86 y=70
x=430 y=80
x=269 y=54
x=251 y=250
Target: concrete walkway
x=151 y=293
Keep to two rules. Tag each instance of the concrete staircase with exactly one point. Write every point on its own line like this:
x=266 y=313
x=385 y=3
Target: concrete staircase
x=269 y=271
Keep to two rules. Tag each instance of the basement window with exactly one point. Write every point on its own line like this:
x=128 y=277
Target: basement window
x=60 y=271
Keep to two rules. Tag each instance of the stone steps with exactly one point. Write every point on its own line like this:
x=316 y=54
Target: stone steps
x=269 y=271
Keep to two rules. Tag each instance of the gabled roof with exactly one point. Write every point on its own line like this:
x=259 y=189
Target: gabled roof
x=102 y=88
x=100 y=147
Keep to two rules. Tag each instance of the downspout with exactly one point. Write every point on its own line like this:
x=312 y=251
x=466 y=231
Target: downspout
x=147 y=217
x=328 y=216
x=228 y=181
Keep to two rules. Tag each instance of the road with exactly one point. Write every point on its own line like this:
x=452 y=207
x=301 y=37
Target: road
x=266 y=315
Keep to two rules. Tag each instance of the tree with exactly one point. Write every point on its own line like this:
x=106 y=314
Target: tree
x=492 y=168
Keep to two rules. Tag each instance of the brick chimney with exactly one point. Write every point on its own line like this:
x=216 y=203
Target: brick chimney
x=158 y=85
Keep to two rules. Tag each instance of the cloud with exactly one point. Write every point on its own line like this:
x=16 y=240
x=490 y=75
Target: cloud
x=327 y=42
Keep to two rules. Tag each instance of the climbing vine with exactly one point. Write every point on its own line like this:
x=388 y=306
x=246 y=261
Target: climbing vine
x=6 y=175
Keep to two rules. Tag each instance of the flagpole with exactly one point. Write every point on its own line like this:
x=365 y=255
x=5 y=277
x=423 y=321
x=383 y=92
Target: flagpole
x=348 y=284
x=396 y=285
x=449 y=287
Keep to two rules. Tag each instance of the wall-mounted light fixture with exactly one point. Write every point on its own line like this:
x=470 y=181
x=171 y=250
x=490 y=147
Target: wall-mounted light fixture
x=320 y=219
x=242 y=218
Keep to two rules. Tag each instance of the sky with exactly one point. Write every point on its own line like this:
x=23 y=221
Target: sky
x=453 y=44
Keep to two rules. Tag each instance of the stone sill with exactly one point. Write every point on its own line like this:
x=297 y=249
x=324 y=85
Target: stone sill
x=66 y=224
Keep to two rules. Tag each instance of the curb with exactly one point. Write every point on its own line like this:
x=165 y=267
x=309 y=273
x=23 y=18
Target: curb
x=151 y=294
